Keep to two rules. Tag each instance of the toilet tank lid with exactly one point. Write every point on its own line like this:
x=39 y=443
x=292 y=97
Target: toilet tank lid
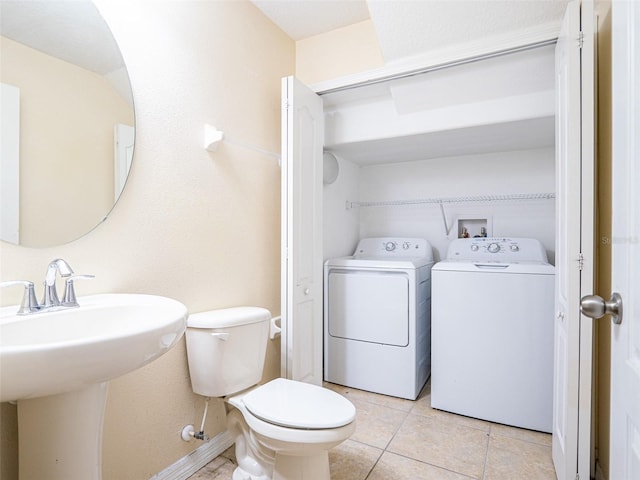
x=228 y=317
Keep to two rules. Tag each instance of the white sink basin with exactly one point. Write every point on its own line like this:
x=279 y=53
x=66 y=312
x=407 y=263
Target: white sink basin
x=67 y=350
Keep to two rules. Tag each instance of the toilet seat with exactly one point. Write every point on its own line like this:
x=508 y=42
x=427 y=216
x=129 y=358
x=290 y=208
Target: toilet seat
x=299 y=405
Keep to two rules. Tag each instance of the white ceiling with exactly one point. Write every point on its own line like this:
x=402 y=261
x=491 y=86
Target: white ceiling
x=73 y=31
x=407 y=28
x=410 y=28
x=304 y=18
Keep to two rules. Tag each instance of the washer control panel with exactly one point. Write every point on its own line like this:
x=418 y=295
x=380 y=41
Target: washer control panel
x=393 y=247
x=497 y=249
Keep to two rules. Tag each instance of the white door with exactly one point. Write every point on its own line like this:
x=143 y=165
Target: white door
x=574 y=242
x=302 y=141
x=10 y=163
x=625 y=337
x=124 y=137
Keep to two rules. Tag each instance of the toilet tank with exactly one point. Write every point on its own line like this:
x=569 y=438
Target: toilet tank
x=226 y=349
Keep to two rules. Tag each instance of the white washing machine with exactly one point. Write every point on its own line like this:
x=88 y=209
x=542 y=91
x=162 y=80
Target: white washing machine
x=492 y=321
x=377 y=309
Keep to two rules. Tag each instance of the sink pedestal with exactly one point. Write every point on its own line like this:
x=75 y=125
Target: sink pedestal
x=60 y=436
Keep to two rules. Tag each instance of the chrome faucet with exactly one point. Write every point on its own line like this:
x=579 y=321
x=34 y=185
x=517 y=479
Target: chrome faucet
x=50 y=296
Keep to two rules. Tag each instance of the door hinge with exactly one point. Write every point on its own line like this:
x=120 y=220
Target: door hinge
x=286 y=104
x=580 y=39
x=577 y=476
x=580 y=261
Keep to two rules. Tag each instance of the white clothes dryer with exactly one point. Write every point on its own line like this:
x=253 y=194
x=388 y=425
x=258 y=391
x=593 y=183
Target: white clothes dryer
x=377 y=309
x=492 y=348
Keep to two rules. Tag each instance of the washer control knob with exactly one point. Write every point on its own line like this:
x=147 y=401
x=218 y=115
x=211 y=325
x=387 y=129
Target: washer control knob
x=493 y=247
x=515 y=248
x=389 y=246
x=474 y=248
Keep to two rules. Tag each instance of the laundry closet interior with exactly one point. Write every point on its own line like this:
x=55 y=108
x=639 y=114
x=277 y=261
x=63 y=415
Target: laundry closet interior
x=458 y=150
x=464 y=147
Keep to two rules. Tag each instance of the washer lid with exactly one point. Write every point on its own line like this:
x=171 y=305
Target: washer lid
x=530 y=268
x=299 y=405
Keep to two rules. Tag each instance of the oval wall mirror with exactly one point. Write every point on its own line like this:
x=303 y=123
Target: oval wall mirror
x=67 y=121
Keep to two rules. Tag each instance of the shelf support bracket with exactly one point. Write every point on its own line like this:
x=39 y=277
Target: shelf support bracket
x=447 y=229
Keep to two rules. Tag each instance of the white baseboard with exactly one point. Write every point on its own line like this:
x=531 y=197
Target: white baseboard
x=187 y=466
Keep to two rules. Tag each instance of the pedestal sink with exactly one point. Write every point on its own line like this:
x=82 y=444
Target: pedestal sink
x=56 y=365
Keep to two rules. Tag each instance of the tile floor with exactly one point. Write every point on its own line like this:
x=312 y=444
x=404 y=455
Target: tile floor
x=397 y=439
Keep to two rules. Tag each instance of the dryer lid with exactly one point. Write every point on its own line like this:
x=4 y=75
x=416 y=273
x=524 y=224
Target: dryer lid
x=299 y=405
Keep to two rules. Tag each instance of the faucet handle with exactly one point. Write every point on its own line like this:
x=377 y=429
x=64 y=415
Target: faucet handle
x=69 y=296
x=29 y=302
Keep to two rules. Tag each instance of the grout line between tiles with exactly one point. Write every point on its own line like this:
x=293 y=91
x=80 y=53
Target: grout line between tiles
x=373 y=467
x=486 y=456
x=427 y=463
x=397 y=430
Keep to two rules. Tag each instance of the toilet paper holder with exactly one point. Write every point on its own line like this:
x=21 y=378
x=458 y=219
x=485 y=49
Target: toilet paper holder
x=275 y=327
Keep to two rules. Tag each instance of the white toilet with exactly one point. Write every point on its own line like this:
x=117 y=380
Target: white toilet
x=283 y=429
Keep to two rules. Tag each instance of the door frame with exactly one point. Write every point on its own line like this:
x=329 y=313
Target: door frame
x=625 y=384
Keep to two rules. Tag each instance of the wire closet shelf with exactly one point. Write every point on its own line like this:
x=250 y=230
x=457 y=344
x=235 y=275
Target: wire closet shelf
x=449 y=200
x=466 y=199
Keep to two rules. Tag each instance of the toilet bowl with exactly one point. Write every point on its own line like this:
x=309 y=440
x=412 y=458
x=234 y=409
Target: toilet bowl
x=284 y=428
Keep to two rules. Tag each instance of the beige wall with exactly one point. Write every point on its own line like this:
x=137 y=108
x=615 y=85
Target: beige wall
x=603 y=234
x=67 y=117
x=203 y=228
x=337 y=53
